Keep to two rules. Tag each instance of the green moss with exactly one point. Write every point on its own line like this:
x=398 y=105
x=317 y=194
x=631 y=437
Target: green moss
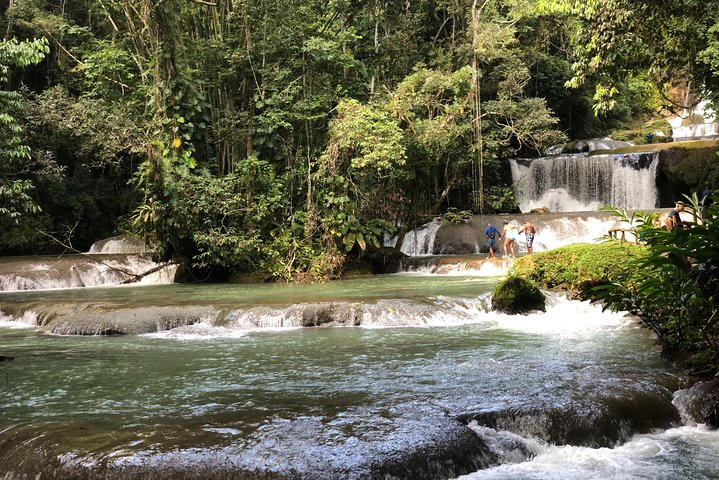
x=517 y=295
x=580 y=266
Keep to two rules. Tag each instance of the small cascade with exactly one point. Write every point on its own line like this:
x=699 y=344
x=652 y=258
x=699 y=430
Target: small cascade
x=113 y=261
x=455 y=246
x=456 y=265
x=701 y=131
x=122 y=244
x=421 y=240
x=78 y=271
x=439 y=311
x=207 y=321
x=578 y=182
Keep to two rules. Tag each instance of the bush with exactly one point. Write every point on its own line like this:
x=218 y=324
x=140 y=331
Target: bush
x=675 y=292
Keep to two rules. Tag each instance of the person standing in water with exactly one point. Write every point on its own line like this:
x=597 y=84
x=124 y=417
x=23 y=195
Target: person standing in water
x=509 y=232
x=491 y=232
x=529 y=230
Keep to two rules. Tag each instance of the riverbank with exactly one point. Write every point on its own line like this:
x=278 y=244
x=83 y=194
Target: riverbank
x=604 y=272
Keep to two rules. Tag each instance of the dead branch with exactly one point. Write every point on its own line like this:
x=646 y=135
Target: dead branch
x=134 y=277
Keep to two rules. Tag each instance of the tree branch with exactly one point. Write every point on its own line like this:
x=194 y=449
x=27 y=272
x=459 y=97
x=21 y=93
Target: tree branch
x=134 y=277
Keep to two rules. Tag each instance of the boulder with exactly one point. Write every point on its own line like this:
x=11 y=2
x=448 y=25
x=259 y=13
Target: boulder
x=517 y=295
x=457 y=239
x=540 y=210
x=683 y=169
x=699 y=403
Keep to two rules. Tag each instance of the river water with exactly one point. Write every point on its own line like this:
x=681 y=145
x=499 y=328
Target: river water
x=430 y=384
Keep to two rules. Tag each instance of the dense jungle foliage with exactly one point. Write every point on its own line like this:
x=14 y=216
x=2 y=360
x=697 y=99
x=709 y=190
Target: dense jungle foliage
x=285 y=138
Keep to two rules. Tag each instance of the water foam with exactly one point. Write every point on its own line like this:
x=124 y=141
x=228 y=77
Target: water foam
x=566 y=318
x=28 y=319
x=671 y=454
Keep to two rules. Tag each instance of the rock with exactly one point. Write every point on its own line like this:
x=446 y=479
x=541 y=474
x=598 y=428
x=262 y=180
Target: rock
x=457 y=239
x=330 y=315
x=517 y=295
x=699 y=404
x=97 y=320
x=541 y=210
x=683 y=168
x=595 y=422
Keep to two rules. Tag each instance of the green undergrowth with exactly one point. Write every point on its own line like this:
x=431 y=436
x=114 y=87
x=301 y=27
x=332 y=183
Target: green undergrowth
x=579 y=267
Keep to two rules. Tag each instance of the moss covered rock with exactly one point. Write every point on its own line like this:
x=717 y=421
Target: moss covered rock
x=580 y=266
x=517 y=295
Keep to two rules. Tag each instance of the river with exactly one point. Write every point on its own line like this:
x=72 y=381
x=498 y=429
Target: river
x=422 y=381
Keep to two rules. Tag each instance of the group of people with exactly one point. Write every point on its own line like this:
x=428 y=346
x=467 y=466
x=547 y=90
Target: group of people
x=510 y=232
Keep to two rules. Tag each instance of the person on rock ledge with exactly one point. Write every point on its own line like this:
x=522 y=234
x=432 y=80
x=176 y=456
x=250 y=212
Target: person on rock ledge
x=509 y=232
x=491 y=232
x=674 y=219
x=529 y=230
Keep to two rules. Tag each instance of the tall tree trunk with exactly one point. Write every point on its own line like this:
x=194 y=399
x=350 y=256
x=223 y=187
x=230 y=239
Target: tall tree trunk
x=477 y=115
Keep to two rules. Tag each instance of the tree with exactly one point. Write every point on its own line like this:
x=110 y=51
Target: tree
x=306 y=135
x=675 y=41
x=15 y=189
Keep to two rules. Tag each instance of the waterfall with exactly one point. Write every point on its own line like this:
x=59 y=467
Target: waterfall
x=553 y=230
x=112 y=261
x=420 y=241
x=573 y=183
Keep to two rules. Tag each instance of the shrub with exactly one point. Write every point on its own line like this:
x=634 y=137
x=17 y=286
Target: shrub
x=675 y=291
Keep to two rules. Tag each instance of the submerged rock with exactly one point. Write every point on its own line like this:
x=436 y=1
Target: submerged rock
x=331 y=315
x=699 y=403
x=95 y=320
x=596 y=424
x=517 y=295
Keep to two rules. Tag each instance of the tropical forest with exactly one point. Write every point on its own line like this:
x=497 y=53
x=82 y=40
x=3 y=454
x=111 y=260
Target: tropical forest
x=359 y=239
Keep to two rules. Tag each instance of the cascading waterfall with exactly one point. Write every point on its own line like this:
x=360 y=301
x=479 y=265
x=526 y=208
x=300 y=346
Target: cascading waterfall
x=421 y=240
x=453 y=247
x=571 y=183
x=112 y=261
